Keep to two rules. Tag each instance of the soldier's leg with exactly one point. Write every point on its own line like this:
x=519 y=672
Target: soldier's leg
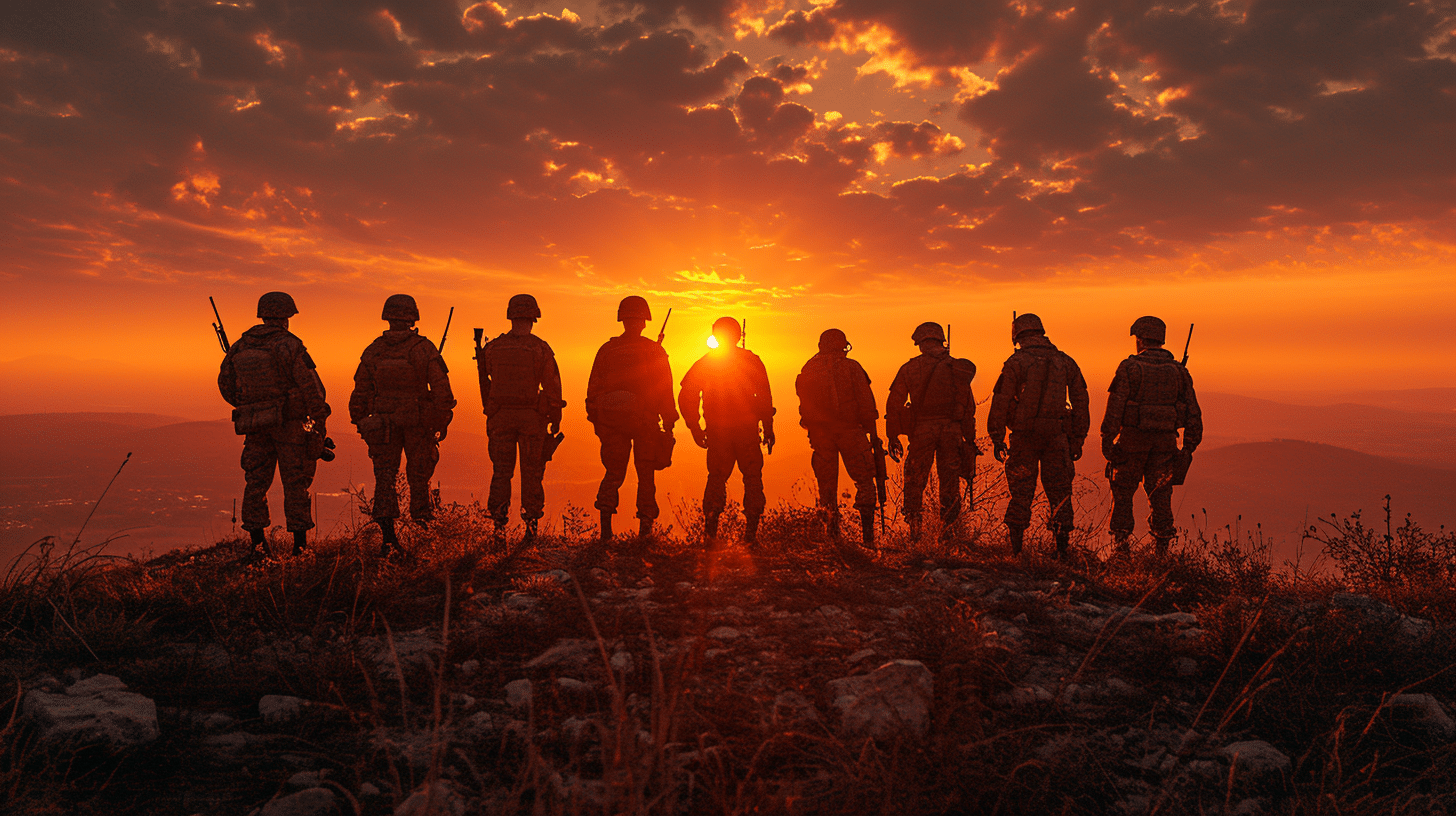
x=859 y=463
x=1158 y=482
x=385 y=456
x=1056 y=479
x=533 y=467
x=647 y=509
x=296 y=469
x=501 y=445
x=918 y=459
x=824 y=461
x=1126 y=476
x=616 y=449
x=948 y=473
x=1022 y=461
x=715 y=490
x=259 y=461
x=422 y=454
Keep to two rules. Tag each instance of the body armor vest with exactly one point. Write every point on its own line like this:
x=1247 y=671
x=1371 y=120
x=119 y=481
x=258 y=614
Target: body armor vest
x=825 y=391
x=1042 y=404
x=399 y=389
x=258 y=366
x=515 y=375
x=1155 y=396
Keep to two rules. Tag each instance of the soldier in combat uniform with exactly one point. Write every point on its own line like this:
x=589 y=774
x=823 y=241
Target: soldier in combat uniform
x=732 y=386
x=402 y=404
x=520 y=387
x=1042 y=397
x=629 y=403
x=838 y=410
x=1151 y=398
x=931 y=402
x=279 y=408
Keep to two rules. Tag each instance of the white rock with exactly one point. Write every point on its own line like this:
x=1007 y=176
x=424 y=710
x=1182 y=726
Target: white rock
x=218 y=721
x=1258 y=759
x=311 y=802
x=1414 y=629
x=469 y=667
x=96 y=710
x=623 y=663
x=565 y=652
x=725 y=633
x=862 y=654
x=369 y=789
x=280 y=708
x=518 y=693
x=569 y=685
x=891 y=700
x=305 y=779
x=1423 y=712
x=439 y=799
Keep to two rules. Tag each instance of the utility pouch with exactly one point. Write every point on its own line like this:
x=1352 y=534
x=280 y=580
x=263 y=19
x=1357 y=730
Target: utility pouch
x=658 y=450
x=257 y=417
x=1179 y=468
x=1157 y=418
x=374 y=430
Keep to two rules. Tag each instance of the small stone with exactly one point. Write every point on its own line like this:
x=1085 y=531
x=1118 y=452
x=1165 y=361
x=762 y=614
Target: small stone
x=862 y=654
x=280 y=708
x=569 y=685
x=623 y=663
x=439 y=799
x=368 y=789
x=305 y=779
x=518 y=693
x=469 y=667
x=725 y=633
x=792 y=709
x=96 y=685
x=1258 y=759
x=891 y=700
x=1185 y=667
x=218 y=721
x=566 y=652
x=311 y=802
x=1423 y=713
x=96 y=710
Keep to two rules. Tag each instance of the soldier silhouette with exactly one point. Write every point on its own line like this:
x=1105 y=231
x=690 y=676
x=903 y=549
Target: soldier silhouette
x=930 y=401
x=1042 y=397
x=629 y=403
x=838 y=410
x=401 y=404
x=1151 y=398
x=279 y=408
x=732 y=387
x=520 y=389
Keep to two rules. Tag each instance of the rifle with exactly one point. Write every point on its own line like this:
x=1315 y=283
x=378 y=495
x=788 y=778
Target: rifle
x=447 y=330
x=947 y=337
x=744 y=338
x=662 y=332
x=1185 y=345
x=882 y=476
x=1013 y=324
x=217 y=328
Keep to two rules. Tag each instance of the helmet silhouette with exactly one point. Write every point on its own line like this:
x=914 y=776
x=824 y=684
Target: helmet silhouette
x=927 y=331
x=400 y=307
x=634 y=307
x=1149 y=328
x=1026 y=323
x=523 y=307
x=276 y=304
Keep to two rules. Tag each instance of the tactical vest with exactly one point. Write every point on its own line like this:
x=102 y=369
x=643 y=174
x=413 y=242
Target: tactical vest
x=1041 y=406
x=824 y=398
x=259 y=369
x=399 y=390
x=1155 y=396
x=515 y=374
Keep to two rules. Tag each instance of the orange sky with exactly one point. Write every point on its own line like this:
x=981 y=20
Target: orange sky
x=1278 y=172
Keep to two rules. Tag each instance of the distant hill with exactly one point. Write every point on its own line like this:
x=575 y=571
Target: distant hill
x=1287 y=484
x=1426 y=438
x=1429 y=400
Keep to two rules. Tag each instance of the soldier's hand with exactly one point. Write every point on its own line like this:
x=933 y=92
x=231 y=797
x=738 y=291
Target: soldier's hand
x=441 y=435
x=768 y=438
x=1077 y=450
x=553 y=428
x=999 y=448
x=896 y=449
x=700 y=436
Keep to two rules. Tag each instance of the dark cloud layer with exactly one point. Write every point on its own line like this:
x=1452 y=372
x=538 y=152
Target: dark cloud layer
x=191 y=138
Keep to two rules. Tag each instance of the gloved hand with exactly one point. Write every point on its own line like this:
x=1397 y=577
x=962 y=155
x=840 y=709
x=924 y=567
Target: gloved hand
x=440 y=434
x=897 y=450
x=999 y=448
x=969 y=440
x=768 y=435
x=700 y=436
x=1109 y=448
x=1077 y=448
x=553 y=428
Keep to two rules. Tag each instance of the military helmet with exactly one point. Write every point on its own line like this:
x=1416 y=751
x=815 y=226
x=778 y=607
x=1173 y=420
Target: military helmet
x=1149 y=328
x=833 y=340
x=1026 y=323
x=400 y=307
x=522 y=307
x=634 y=307
x=276 y=304
x=927 y=331
x=728 y=326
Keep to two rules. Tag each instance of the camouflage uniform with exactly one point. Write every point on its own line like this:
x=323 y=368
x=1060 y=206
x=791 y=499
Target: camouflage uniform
x=520 y=387
x=1150 y=399
x=401 y=400
x=931 y=402
x=837 y=408
x=1042 y=397
x=269 y=368
x=734 y=391
x=628 y=393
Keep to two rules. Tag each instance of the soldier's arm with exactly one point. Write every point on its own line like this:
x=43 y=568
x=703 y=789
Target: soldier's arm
x=690 y=395
x=964 y=398
x=864 y=399
x=1003 y=401
x=551 y=389
x=594 y=385
x=662 y=385
x=1081 y=420
x=482 y=371
x=227 y=381
x=799 y=392
x=305 y=376
x=442 y=396
x=1193 y=427
x=763 y=406
x=1116 y=405
x=361 y=399
x=895 y=405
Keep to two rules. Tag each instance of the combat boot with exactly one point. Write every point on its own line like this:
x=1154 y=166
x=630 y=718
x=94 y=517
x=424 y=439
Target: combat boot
x=498 y=538
x=1160 y=545
x=606 y=537
x=750 y=530
x=831 y=525
x=1014 y=538
x=644 y=528
x=1064 y=542
x=710 y=528
x=389 y=539
x=257 y=547
x=530 y=531
x=1121 y=545
x=300 y=542
x=915 y=527
x=867 y=529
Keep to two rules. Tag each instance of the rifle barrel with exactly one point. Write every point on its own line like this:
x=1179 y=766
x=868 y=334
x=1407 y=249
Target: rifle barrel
x=446 y=333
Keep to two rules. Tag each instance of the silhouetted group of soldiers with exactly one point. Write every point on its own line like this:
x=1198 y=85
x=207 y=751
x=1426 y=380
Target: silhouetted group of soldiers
x=402 y=406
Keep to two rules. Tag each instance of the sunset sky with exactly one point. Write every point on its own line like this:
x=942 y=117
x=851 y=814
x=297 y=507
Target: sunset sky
x=1282 y=173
